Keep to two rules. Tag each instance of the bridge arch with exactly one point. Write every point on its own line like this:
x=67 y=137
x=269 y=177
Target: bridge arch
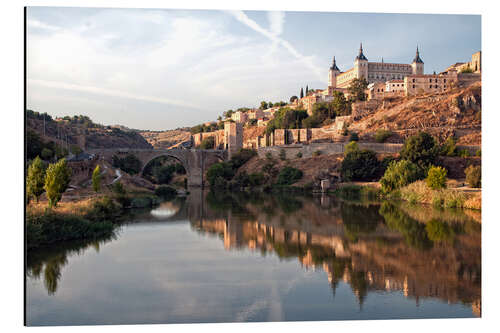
x=195 y=161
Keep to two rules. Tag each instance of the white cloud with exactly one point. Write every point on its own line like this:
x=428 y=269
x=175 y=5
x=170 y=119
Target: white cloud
x=276 y=22
x=168 y=58
x=110 y=92
x=41 y=25
x=306 y=60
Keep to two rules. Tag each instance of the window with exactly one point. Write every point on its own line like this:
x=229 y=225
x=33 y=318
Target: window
x=430 y=86
x=414 y=86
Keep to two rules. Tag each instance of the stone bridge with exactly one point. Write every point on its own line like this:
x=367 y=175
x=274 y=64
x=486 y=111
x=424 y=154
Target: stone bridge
x=195 y=161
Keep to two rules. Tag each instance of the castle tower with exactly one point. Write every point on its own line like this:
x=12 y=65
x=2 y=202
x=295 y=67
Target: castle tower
x=332 y=74
x=361 y=64
x=417 y=65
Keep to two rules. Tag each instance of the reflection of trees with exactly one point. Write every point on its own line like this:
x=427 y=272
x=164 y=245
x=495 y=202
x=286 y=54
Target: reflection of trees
x=413 y=231
x=360 y=248
x=49 y=261
x=358 y=219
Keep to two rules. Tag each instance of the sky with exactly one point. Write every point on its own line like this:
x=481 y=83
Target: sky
x=159 y=69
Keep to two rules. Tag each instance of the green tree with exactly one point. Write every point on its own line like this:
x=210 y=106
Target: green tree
x=357 y=89
x=473 y=176
x=301 y=92
x=449 y=147
x=96 y=179
x=56 y=181
x=288 y=176
x=293 y=98
x=35 y=179
x=399 y=174
x=307 y=90
x=436 y=177
x=420 y=149
x=263 y=105
x=361 y=165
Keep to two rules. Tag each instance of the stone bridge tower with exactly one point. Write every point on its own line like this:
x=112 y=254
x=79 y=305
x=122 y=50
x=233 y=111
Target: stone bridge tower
x=233 y=137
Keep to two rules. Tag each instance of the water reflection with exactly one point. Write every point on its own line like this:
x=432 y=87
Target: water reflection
x=417 y=251
x=373 y=247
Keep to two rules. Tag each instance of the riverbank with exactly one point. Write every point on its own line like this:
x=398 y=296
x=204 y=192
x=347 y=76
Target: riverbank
x=88 y=218
x=414 y=193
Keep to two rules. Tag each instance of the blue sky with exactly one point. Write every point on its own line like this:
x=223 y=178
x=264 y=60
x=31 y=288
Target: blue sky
x=162 y=69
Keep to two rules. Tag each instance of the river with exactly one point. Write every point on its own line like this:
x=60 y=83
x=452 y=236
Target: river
x=236 y=257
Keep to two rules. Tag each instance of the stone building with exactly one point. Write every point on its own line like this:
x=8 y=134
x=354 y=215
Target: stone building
x=239 y=117
x=474 y=65
x=372 y=71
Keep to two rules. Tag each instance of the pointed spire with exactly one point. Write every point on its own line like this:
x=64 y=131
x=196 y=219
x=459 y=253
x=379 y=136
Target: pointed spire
x=334 y=65
x=417 y=57
x=361 y=56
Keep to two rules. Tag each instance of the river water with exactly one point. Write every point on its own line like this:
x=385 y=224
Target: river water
x=239 y=257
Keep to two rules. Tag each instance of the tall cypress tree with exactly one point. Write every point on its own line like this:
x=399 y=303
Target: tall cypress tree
x=301 y=92
x=307 y=89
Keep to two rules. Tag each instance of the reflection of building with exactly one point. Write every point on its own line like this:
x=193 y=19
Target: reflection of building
x=367 y=264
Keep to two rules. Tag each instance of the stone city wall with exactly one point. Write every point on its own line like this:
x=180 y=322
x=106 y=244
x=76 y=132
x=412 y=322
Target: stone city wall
x=327 y=148
x=218 y=135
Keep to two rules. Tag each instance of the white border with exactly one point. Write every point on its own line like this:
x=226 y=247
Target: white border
x=11 y=89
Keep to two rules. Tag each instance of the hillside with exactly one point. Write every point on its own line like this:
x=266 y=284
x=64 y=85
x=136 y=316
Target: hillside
x=166 y=139
x=457 y=112
x=83 y=132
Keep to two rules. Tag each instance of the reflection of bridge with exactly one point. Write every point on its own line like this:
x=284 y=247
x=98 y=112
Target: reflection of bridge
x=195 y=161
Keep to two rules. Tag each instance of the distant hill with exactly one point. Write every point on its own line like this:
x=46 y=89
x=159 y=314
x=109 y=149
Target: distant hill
x=82 y=131
x=167 y=139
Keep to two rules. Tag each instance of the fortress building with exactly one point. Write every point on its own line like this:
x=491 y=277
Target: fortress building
x=372 y=71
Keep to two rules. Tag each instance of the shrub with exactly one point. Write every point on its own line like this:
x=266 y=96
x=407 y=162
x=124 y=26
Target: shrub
x=478 y=153
x=351 y=147
x=288 y=176
x=449 y=147
x=317 y=153
x=256 y=179
x=473 y=176
x=399 y=174
x=166 y=192
x=299 y=155
x=282 y=154
x=219 y=170
x=360 y=165
x=354 y=137
x=436 y=177
x=56 y=181
x=464 y=153
x=382 y=134
x=420 y=149
x=269 y=156
x=241 y=157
